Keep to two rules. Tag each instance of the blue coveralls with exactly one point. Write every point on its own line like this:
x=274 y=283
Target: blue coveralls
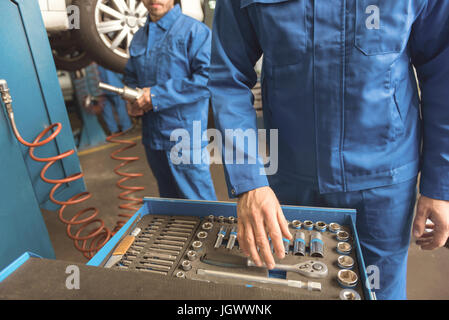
x=338 y=83
x=172 y=56
x=114 y=102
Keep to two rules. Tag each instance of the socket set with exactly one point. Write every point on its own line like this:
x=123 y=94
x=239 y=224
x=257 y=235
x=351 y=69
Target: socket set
x=320 y=258
x=157 y=246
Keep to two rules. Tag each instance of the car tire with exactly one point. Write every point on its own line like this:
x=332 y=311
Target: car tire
x=67 y=53
x=106 y=30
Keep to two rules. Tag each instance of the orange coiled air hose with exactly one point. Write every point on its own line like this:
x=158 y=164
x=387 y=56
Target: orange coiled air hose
x=134 y=202
x=85 y=239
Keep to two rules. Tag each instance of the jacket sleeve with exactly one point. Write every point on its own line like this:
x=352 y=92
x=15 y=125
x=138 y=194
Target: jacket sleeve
x=235 y=51
x=178 y=92
x=430 y=56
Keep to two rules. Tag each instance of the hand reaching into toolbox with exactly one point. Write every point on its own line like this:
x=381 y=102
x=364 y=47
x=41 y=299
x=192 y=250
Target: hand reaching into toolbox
x=438 y=212
x=259 y=213
x=141 y=105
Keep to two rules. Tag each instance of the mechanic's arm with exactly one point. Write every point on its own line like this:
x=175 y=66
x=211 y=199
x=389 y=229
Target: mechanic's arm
x=430 y=56
x=235 y=51
x=184 y=91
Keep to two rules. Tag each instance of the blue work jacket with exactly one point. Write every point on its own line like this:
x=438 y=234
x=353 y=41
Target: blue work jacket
x=171 y=56
x=338 y=83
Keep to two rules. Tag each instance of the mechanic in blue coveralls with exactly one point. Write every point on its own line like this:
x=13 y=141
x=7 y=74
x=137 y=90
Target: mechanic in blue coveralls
x=114 y=104
x=339 y=85
x=169 y=60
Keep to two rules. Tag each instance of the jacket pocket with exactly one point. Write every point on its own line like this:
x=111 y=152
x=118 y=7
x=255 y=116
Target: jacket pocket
x=281 y=28
x=382 y=26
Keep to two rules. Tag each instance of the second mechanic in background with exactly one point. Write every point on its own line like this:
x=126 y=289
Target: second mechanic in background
x=169 y=60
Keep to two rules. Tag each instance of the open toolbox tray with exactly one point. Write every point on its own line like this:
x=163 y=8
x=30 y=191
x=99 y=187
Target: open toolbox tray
x=158 y=216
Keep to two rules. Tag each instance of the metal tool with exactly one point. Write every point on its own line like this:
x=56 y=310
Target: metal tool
x=311 y=286
x=299 y=244
x=186 y=265
x=156 y=266
x=152 y=254
x=316 y=245
x=334 y=227
x=311 y=269
x=160 y=261
x=286 y=245
x=201 y=235
x=151 y=270
x=113 y=261
x=126 y=92
x=231 y=219
x=184 y=221
x=161 y=245
x=342 y=235
x=221 y=234
x=320 y=226
x=221 y=219
x=197 y=246
x=168 y=237
x=347 y=278
x=349 y=294
x=207 y=226
x=345 y=262
x=232 y=238
x=296 y=224
x=211 y=218
x=344 y=248
x=180 y=274
x=192 y=255
x=308 y=225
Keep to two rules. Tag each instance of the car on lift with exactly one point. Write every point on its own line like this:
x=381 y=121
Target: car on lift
x=82 y=31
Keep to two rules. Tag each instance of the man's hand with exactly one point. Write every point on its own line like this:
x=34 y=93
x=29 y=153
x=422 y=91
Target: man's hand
x=438 y=212
x=259 y=213
x=133 y=111
x=144 y=102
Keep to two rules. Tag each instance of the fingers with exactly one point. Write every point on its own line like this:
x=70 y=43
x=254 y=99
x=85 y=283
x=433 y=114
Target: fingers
x=283 y=224
x=438 y=240
x=419 y=224
x=274 y=230
x=251 y=245
x=241 y=238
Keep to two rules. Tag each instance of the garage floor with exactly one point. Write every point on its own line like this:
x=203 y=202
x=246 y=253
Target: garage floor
x=427 y=276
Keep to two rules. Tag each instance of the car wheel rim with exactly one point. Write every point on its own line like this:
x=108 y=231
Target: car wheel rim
x=117 y=21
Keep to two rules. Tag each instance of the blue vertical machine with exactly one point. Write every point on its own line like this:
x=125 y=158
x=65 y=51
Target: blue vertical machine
x=29 y=73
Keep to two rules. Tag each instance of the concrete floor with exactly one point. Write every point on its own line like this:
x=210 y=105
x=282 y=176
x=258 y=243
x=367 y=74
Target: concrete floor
x=427 y=271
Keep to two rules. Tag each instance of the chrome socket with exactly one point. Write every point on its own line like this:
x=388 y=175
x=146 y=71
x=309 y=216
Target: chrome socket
x=207 y=226
x=286 y=245
x=320 y=226
x=197 y=245
x=342 y=235
x=345 y=262
x=192 y=255
x=232 y=238
x=344 y=248
x=308 y=225
x=180 y=274
x=299 y=245
x=221 y=234
x=334 y=227
x=316 y=245
x=201 y=235
x=221 y=219
x=296 y=224
x=347 y=278
x=186 y=265
x=349 y=294
x=211 y=218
